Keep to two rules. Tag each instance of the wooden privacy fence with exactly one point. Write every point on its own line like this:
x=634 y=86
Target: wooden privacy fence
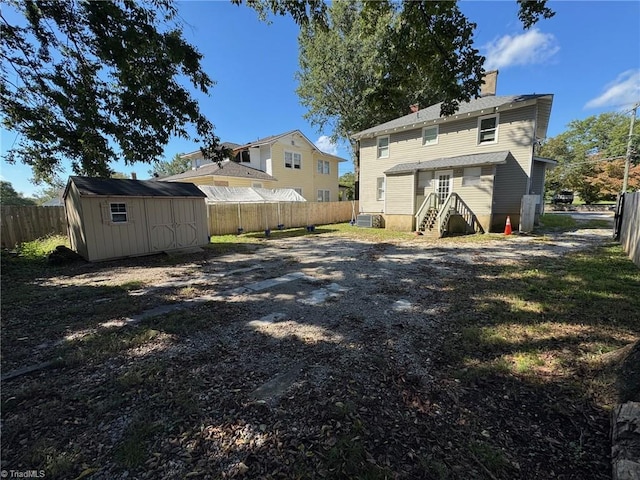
x=23 y=224
x=225 y=218
x=630 y=226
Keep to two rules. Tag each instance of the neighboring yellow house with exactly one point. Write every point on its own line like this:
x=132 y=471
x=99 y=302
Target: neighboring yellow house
x=287 y=160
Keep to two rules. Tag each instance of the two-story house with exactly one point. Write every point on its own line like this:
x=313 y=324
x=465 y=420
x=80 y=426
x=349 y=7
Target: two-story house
x=426 y=172
x=287 y=160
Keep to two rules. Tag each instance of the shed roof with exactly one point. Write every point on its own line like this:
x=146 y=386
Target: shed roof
x=478 y=159
x=477 y=106
x=224 y=169
x=121 y=187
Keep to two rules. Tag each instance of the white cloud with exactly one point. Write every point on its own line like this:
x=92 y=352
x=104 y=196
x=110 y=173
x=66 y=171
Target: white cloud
x=624 y=90
x=325 y=144
x=529 y=48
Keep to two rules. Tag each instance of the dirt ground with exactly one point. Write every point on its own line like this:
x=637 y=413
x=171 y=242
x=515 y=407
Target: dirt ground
x=304 y=357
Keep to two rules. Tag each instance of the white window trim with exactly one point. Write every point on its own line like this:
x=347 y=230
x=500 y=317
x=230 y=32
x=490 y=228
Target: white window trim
x=112 y=213
x=433 y=142
x=293 y=160
x=484 y=117
x=381 y=190
x=388 y=137
x=436 y=181
x=324 y=195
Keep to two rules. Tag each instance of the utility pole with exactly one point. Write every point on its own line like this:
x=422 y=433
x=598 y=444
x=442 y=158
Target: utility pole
x=627 y=162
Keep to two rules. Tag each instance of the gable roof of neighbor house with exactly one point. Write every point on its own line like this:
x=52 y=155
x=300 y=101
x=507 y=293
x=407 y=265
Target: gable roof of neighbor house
x=274 y=138
x=226 y=168
x=121 y=187
x=476 y=107
x=198 y=153
x=475 y=160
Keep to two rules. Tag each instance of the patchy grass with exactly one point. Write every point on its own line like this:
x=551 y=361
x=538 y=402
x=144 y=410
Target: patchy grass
x=40 y=248
x=557 y=222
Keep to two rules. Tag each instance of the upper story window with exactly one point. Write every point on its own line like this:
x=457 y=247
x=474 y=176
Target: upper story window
x=488 y=129
x=292 y=160
x=118 y=212
x=383 y=147
x=323 y=167
x=430 y=135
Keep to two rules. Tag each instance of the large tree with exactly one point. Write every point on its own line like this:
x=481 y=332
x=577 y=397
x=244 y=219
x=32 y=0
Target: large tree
x=371 y=60
x=165 y=168
x=93 y=82
x=589 y=155
x=9 y=196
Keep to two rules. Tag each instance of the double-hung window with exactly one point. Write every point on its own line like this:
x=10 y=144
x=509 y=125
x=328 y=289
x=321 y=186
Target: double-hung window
x=118 y=212
x=488 y=129
x=383 y=147
x=323 y=167
x=292 y=160
x=430 y=135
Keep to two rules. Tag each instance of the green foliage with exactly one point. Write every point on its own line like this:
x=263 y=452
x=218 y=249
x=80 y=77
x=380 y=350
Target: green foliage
x=9 y=196
x=348 y=180
x=98 y=82
x=165 y=168
x=583 y=152
x=40 y=248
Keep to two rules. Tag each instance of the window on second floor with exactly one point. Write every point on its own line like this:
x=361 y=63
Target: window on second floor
x=292 y=160
x=323 y=167
x=488 y=129
x=383 y=147
x=430 y=135
x=380 y=188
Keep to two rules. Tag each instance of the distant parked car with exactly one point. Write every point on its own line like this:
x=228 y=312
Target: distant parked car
x=563 y=196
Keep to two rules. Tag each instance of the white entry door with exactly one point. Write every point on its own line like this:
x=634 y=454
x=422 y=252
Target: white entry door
x=443 y=185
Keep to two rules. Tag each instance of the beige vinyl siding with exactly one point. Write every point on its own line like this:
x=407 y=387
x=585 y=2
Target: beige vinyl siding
x=323 y=181
x=477 y=197
x=400 y=194
x=457 y=137
x=537 y=183
x=292 y=177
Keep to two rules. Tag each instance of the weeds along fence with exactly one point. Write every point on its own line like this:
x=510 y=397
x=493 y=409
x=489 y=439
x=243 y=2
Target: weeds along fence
x=226 y=219
x=23 y=224
x=630 y=227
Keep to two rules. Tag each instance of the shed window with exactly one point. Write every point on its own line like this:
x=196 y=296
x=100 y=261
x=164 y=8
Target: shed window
x=488 y=129
x=471 y=176
x=118 y=212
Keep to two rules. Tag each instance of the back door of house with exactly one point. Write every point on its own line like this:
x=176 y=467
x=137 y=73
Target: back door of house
x=443 y=185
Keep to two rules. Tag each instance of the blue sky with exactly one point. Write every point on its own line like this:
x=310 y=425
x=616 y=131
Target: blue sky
x=588 y=56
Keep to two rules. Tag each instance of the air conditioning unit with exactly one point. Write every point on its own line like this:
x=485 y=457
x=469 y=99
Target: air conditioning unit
x=369 y=221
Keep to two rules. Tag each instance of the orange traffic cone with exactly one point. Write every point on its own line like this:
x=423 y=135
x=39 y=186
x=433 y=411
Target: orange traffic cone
x=507 y=227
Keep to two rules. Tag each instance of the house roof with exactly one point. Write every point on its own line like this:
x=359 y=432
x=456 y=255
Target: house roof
x=478 y=106
x=273 y=138
x=478 y=159
x=120 y=187
x=198 y=153
x=226 y=168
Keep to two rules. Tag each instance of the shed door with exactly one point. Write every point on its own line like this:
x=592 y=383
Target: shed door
x=162 y=231
x=186 y=228
x=172 y=224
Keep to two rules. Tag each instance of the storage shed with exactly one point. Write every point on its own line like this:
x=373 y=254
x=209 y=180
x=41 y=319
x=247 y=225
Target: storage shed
x=114 y=218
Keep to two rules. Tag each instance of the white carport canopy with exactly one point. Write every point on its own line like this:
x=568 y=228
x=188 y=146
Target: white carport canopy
x=250 y=194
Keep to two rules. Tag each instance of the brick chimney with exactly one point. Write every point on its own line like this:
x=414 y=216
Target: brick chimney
x=414 y=108
x=489 y=84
